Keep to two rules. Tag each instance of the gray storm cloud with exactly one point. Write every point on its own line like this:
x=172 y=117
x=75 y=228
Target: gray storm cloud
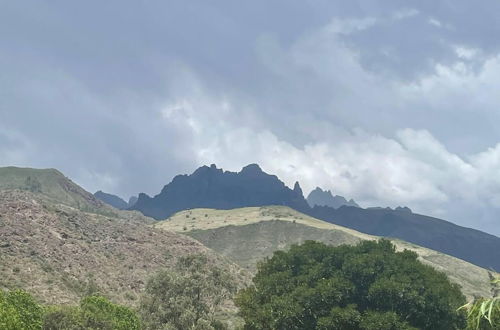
x=388 y=102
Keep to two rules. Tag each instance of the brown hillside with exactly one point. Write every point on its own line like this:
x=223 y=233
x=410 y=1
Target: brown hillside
x=60 y=253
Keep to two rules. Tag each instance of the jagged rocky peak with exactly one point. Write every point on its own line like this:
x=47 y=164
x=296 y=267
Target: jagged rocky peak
x=321 y=197
x=206 y=170
x=211 y=187
x=251 y=169
x=296 y=188
x=404 y=209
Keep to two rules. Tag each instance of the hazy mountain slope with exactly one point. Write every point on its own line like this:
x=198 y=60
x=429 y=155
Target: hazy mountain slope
x=214 y=188
x=325 y=198
x=111 y=199
x=131 y=201
x=465 y=243
x=250 y=234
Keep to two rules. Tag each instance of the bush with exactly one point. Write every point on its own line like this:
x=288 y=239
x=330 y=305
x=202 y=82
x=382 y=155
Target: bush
x=368 y=286
x=187 y=297
x=94 y=312
x=18 y=310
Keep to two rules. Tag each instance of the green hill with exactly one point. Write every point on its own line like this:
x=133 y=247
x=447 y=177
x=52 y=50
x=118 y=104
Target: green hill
x=49 y=182
x=247 y=235
x=54 y=187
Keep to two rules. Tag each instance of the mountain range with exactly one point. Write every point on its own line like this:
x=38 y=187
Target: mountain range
x=211 y=187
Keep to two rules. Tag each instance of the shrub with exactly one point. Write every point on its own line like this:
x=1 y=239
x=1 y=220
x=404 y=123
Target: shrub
x=368 y=286
x=94 y=312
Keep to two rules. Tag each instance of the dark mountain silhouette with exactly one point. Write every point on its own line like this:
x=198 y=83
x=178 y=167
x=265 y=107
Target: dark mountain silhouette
x=210 y=187
x=112 y=200
x=325 y=198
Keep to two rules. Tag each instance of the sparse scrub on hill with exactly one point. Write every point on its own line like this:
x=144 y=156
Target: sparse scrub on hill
x=367 y=286
x=187 y=297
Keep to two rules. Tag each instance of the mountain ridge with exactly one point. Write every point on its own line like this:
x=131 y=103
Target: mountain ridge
x=213 y=187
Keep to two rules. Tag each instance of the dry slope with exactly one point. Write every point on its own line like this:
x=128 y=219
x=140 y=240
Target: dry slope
x=60 y=253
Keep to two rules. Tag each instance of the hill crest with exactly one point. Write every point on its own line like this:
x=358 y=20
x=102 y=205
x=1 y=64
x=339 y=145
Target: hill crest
x=249 y=234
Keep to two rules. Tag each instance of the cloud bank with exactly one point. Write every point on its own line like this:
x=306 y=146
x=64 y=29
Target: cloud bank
x=386 y=102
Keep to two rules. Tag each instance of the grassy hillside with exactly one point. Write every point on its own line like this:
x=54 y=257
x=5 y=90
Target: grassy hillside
x=248 y=235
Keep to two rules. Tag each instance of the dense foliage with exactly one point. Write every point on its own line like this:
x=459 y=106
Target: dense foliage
x=18 y=310
x=368 y=286
x=187 y=297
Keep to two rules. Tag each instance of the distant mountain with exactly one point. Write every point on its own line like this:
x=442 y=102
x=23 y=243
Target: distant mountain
x=112 y=200
x=320 y=197
x=131 y=201
x=211 y=187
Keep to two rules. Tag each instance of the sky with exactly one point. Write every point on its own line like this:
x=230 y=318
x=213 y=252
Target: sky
x=387 y=102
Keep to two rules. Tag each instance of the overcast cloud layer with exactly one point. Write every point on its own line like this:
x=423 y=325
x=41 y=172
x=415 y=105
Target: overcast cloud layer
x=387 y=102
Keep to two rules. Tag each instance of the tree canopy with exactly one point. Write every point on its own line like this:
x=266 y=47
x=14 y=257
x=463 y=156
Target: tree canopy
x=186 y=297
x=368 y=286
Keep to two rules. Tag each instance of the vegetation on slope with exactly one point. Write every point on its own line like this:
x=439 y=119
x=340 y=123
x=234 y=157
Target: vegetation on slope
x=195 y=294
x=367 y=286
x=248 y=235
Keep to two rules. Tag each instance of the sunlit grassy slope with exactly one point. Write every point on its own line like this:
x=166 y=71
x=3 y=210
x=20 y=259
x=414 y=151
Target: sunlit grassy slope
x=247 y=235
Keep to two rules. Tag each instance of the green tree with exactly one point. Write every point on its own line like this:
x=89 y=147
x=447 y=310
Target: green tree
x=19 y=310
x=187 y=297
x=368 y=286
